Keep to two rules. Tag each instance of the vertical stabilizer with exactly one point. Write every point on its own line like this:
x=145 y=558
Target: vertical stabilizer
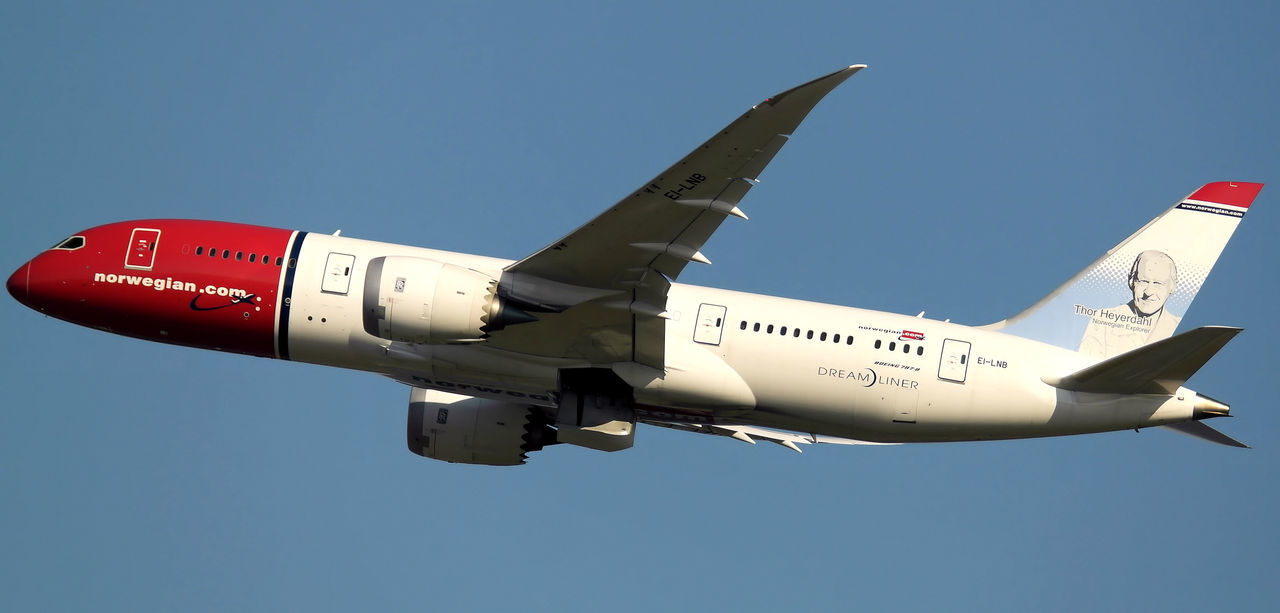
x=1138 y=291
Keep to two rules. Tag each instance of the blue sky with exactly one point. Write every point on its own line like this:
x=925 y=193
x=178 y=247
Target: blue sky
x=989 y=152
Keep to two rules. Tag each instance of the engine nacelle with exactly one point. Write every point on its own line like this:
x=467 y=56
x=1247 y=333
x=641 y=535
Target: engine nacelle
x=455 y=428
x=415 y=300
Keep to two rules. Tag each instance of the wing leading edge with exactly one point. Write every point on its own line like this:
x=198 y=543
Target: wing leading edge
x=599 y=293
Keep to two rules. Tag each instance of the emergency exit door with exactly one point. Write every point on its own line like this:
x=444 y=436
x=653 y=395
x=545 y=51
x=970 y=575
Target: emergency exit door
x=337 y=273
x=710 y=324
x=954 y=364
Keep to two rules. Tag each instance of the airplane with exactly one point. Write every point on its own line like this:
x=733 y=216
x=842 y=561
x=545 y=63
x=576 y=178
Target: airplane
x=581 y=341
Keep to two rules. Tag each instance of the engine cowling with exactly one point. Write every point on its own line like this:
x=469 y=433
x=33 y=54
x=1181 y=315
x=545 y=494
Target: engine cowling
x=416 y=300
x=467 y=430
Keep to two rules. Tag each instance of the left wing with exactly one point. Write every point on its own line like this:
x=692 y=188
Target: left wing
x=599 y=293
x=749 y=434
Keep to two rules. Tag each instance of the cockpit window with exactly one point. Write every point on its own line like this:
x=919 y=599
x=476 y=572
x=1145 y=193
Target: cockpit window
x=70 y=244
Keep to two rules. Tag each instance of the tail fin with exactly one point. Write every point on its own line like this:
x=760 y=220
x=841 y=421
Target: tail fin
x=1150 y=278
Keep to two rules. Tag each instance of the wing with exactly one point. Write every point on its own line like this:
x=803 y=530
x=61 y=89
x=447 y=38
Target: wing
x=749 y=434
x=599 y=293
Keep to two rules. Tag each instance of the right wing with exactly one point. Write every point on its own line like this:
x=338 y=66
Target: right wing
x=600 y=292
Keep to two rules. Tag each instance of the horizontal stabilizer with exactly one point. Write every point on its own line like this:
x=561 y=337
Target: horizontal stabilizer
x=1202 y=431
x=1159 y=368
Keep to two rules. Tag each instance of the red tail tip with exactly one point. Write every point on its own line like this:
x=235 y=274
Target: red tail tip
x=1234 y=193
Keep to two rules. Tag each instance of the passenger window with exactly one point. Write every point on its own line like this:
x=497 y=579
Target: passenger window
x=226 y=253
x=769 y=330
x=755 y=328
x=809 y=335
x=782 y=330
x=213 y=253
x=743 y=325
x=906 y=348
x=239 y=255
x=920 y=350
x=877 y=343
x=892 y=346
x=835 y=339
x=252 y=257
x=279 y=260
x=848 y=340
x=796 y=333
x=199 y=250
x=822 y=337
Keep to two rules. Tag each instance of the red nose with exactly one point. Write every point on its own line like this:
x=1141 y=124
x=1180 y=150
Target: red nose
x=17 y=284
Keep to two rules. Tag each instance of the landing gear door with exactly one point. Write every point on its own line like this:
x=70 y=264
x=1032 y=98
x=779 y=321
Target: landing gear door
x=710 y=324
x=954 y=364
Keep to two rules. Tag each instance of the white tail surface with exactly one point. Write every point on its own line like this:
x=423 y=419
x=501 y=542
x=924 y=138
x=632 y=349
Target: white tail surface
x=1139 y=290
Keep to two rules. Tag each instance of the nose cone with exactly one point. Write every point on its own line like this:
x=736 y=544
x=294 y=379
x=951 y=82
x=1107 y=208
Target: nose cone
x=18 y=282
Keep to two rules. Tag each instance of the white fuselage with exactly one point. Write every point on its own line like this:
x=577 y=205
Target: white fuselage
x=767 y=361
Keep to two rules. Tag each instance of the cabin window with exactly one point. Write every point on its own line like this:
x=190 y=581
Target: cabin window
x=226 y=253
x=796 y=333
x=906 y=348
x=877 y=343
x=279 y=260
x=822 y=337
x=743 y=325
x=755 y=328
x=782 y=330
x=920 y=350
x=769 y=330
x=835 y=339
x=252 y=257
x=848 y=340
x=892 y=346
x=199 y=250
x=239 y=256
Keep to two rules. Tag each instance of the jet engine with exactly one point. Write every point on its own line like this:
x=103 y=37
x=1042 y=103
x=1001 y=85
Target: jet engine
x=416 y=300
x=467 y=430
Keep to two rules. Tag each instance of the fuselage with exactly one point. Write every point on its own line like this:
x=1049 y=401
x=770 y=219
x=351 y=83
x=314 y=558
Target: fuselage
x=732 y=357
